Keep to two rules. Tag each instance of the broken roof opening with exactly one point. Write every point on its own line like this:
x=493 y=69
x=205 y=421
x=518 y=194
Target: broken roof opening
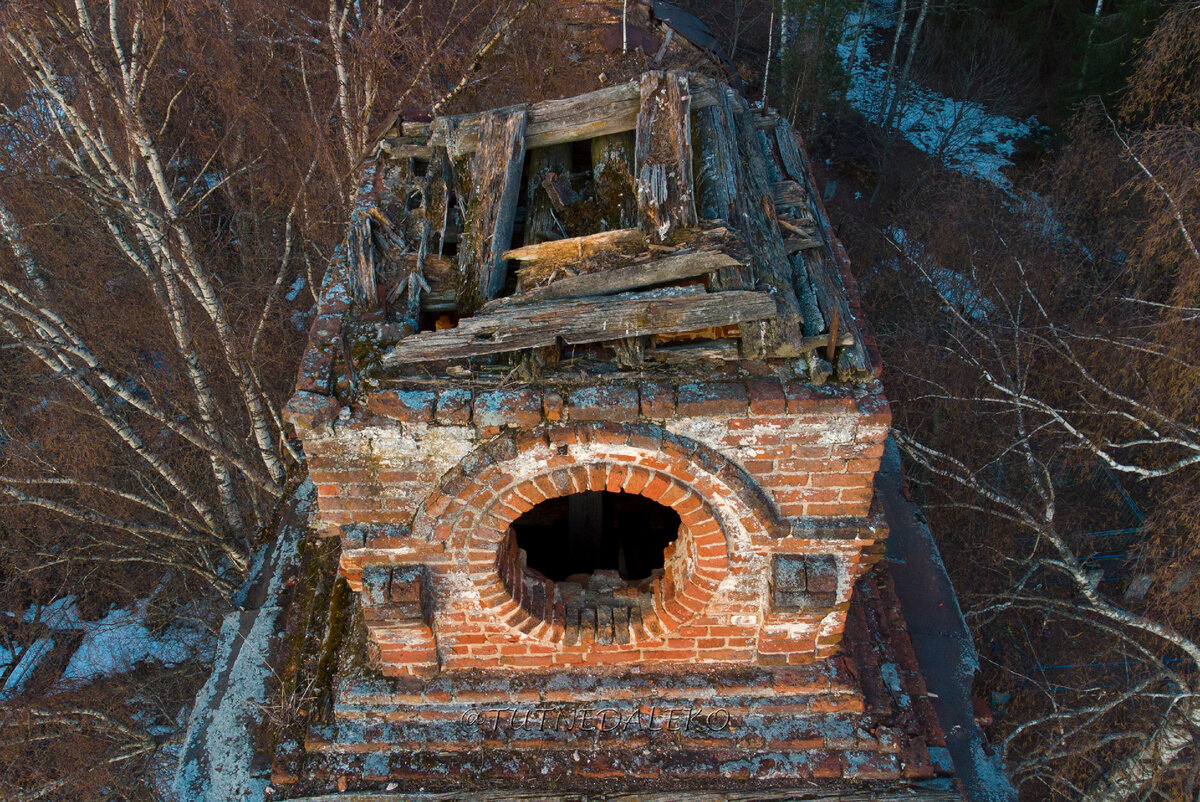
x=651 y=224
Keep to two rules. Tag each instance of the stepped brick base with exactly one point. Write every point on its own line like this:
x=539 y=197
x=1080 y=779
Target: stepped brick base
x=860 y=720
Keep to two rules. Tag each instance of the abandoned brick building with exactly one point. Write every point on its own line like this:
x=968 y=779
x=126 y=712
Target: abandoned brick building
x=594 y=420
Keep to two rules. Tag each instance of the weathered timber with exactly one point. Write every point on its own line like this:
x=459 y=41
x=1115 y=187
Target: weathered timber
x=495 y=185
x=819 y=370
x=663 y=156
x=824 y=261
x=584 y=321
x=360 y=253
x=606 y=111
x=789 y=194
x=540 y=223
x=803 y=228
x=814 y=322
x=774 y=173
x=612 y=177
x=761 y=233
x=796 y=244
x=423 y=152
x=630 y=352
x=725 y=350
x=535 y=362
x=608 y=282
x=721 y=179
x=557 y=186
x=576 y=248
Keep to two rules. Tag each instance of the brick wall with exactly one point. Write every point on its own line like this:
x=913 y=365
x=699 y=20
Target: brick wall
x=773 y=483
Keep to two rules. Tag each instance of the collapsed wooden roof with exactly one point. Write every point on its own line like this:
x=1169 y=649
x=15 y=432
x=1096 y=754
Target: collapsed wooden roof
x=661 y=220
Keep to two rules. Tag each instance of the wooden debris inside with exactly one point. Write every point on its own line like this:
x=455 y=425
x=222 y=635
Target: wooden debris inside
x=661 y=222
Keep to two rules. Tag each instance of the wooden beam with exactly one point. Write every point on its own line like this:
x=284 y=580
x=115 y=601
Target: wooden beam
x=720 y=182
x=609 y=282
x=721 y=191
x=726 y=350
x=584 y=321
x=552 y=122
x=772 y=270
x=576 y=248
x=789 y=153
x=790 y=194
x=491 y=206
x=612 y=178
x=663 y=156
x=540 y=222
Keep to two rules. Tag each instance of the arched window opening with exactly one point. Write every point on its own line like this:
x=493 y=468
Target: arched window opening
x=571 y=538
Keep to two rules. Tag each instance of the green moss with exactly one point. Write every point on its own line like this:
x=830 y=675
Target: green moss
x=327 y=663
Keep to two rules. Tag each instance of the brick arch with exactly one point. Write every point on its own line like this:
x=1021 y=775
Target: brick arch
x=720 y=509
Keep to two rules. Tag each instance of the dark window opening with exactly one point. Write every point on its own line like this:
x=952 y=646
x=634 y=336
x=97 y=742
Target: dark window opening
x=583 y=533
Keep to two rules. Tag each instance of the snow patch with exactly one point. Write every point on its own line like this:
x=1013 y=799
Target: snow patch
x=294 y=290
x=119 y=641
x=962 y=134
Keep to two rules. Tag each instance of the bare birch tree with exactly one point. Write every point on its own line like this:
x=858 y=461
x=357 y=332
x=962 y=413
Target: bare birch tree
x=1051 y=392
x=168 y=172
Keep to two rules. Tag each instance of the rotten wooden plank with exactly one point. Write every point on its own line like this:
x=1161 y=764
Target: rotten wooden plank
x=789 y=194
x=772 y=269
x=823 y=264
x=491 y=206
x=720 y=178
x=584 y=321
x=575 y=248
x=789 y=153
x=541 y=224
x=609 y=282
x=606 y=111
x=725 y=350
x=663 y=156
x=612 y=177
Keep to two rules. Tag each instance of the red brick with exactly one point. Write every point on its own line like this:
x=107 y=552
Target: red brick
x=832 y=510
x=508 y=407
x=787 y=480
x=766 y=397
x=617 y=476
x=874 y=410
x=657 y=400
x=819 y=495
x=803 y=397
x=407 y=406
x=859 y=495
x=638 y=479
x=811 y=465
x=552 y=405
x=603 y=403
x=839 y=480
x=655 y=488
x=711 y=398
x=310 y=410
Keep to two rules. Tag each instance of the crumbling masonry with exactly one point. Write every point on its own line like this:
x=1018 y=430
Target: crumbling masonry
x=592 y=410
